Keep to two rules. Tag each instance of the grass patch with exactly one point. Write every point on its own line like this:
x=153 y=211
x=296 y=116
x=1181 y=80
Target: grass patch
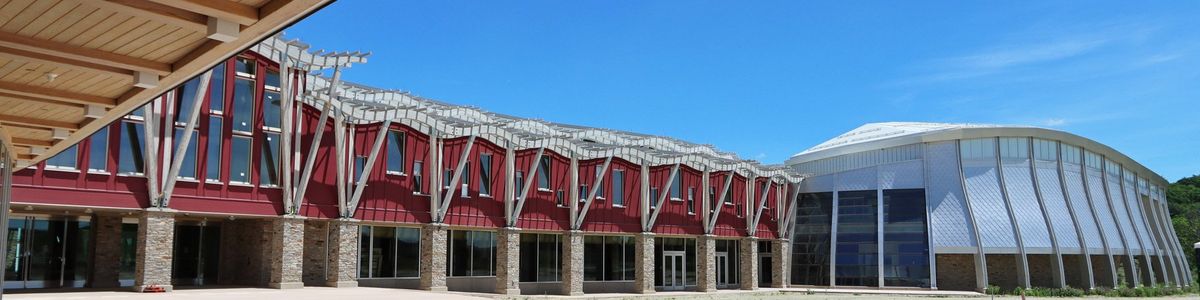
x=1141 y=291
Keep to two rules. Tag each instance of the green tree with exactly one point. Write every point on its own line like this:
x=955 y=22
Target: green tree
x=1183 y=199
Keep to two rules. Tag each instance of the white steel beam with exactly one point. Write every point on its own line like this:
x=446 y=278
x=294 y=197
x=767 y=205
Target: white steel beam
x=306 y=173
x=573 y=191
x=662 y=197
x=435 y=175
x=285 y=135
x=981 y=273
x=1059 y=276
x=719 y=203
x=458 y=173
x=705 y=197
x=181 y=145
x=596 y=186
x=509 y=184
x=150 y=148
x=644 y=200
x=1083 y=245
x=361 y=182
x=1023 y=257
x=533 y=168
x=339 y=141
x=762 y=201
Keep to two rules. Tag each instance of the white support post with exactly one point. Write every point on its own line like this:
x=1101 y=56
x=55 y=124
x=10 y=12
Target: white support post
x=644 y=200
x=573 y=191
x=150 y=151
x=435 y=175
x=462 y=165
x=587 y=203
x=1023 y=257
x=705 y=197
x=509 y=184
x=285 y=136
x=166 y=137
x=712 y=222
x=793 y=200
x=316 y=142
x=339 y=141
x=533 y=167
x=662 y=197
x=361 y=182
x=181 y=147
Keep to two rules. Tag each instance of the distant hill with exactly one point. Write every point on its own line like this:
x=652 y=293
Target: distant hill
x=1183 y=198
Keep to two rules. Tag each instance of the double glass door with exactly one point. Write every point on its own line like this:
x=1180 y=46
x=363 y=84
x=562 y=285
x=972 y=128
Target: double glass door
x=47 y=252
x=722 y=265
x=197 y=248
x=674 y=263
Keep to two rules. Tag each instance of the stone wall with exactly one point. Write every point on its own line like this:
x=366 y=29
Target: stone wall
x=433 y=257
x=508 y=261
x=243 y=247
x=285 y=253
x=106 y=254
x=572 y=267
x=780 y=267
x=706 y=268
x=316 y=234
x=748 y=263
x=156 y=238
x=956 y=272
x=342 y=262
x=643 y=264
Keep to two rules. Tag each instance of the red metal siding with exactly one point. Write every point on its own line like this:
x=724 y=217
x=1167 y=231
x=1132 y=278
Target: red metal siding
x=390 y=197
x=474 y=210
x=768 y=224
x=541 y=212
x=606 y=217
x=674 y=218
x=732 y=222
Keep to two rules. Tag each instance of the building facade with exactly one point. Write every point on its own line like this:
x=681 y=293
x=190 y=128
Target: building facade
x=962 y=207
x=271 y=171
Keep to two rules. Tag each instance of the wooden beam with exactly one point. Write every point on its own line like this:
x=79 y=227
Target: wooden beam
x=37 y=93
x=64 y=62
x=68 y=51
x=31 y=142
x=154 y=11
x=44 y=100
x=35 y=122
x=221 y=9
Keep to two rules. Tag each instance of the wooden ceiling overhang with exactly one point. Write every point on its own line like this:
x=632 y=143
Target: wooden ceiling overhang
x=69 y=67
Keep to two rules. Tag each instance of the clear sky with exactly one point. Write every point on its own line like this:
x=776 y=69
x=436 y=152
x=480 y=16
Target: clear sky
x=768 y=79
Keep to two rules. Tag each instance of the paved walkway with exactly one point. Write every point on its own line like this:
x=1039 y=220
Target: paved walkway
x=365 y=293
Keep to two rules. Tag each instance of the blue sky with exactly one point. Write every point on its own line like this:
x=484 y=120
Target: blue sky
x=768 y=79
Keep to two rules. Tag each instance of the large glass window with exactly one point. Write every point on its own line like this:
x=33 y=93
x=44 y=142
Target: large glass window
x=905 y=244
x=672 y=248
x=618 y=186
x=691 y=200
x=271 y=109
x=472 y=253
x=269 y=161
x=540 y=255
x=608 y=258
x=67 y=159
x=727 y=274
x=543 y=174
x=810 y=239
x=212 y=162
x=187 y=169
x=418 y=180
x=387 y=252
x=676 y=188
x=395 y=152
x=857 y=240
x=243 y=104
x=239 y=159
x=98 y=150
x=216 y=93
x=185 y=100
x=131 y=158
x=485 y=174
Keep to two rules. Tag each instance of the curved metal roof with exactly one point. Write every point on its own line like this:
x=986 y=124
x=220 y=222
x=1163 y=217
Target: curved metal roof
x=874 y=136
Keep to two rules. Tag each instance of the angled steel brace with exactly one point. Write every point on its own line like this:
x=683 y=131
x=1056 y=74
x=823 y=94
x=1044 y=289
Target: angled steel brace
x=785 y=226
x=762 y=201
x=712 y=221
x=181 y=147
x=537 y=160
x=370 y=163
x=150 y=145
x=462 y=165
x=339 y=141
x=587 y=203
x=306 y=173
x=662 y=197
x=285 y=134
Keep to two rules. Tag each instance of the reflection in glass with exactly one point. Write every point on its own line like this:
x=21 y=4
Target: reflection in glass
x=905 y=244
x=810 y=239
x=857 y=244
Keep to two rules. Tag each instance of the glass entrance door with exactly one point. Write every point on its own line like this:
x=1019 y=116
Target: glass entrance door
x=764 y=270
x=47 y=252
x=197 y=246
x=673 y=270
x=722 y=265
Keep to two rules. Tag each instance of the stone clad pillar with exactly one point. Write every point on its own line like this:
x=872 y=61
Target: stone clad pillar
x=643 y=264
x=433 y=257
x=508 y=261
x=780 y=258
x=342 y=261
x=748 y=263
x=106 y=260
x=155 y=248
x=572 y=280
x=706 y=268
x=286 y=252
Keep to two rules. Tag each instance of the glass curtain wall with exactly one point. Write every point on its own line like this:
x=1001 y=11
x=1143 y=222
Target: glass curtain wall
x=540 y=257
x=810 y=239
x=905 y=238
x=608 y=258
x=857 y=243
x=47 y=252
x=472 y=253
x=389 y=252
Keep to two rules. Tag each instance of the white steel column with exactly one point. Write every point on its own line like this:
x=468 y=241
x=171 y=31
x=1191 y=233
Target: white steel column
x=509 y=184
x=454 y=180
x=181 y=145
x=1023 y=258
x=662 y=197
x=596 y=186
x=573 y=190
x=361 y=181
x=285 y=132
x=1087 y=187
x=1083 y=245
x=833 y=222
x=1124 y=240
x=719 y=203
x=981 y=273
x=1147 y=265
x=339 y=138
x=533 y=168
x=318 y=134
x=1059 y=275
